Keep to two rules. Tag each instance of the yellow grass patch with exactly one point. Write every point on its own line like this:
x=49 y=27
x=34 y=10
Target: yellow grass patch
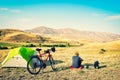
x=109 y=61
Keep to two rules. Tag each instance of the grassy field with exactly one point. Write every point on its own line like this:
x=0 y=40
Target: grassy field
x=109 y=63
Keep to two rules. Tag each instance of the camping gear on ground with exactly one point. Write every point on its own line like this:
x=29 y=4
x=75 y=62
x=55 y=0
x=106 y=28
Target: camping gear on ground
x=96 y=64
x=18 y=57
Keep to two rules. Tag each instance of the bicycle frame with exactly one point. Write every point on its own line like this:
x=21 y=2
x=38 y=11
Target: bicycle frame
x=36 y=68
x=48 y=56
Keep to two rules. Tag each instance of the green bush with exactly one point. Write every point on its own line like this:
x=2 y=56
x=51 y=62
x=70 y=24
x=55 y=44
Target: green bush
x=55 y=45
x=27 y=41
x=2 y=47
x=102 y=51
x=13 y=47
x=29 y=45
x=62 y=45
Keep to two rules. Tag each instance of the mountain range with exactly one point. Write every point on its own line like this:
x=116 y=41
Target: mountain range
x=73 y=34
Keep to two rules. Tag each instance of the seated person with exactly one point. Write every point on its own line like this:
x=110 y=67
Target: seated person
x=76 y=61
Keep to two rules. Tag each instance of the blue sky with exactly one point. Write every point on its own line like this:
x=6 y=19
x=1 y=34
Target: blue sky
x=89 y=15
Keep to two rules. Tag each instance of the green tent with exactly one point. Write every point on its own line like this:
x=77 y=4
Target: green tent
x=24 y=54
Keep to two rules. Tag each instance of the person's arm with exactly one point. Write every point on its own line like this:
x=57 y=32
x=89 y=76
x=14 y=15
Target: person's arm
x=81 y=59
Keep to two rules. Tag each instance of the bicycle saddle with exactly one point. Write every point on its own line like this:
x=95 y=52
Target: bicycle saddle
x=38 y=49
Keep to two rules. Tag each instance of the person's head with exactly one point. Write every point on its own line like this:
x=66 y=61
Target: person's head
x=76 y=53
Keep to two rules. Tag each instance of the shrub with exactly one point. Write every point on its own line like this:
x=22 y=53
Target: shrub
x=102 y=51
x=29 y=45
x=13 y=47
x=61 y=45
x=1 y=47
x=55 y=45
x=27 y=41
x=32 y=45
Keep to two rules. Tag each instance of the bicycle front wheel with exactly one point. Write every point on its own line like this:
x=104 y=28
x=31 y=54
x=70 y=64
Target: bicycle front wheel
x=52 y=63
x=34 y=65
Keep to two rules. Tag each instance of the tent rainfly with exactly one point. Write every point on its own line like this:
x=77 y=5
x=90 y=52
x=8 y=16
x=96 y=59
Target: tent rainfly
x=18 y=57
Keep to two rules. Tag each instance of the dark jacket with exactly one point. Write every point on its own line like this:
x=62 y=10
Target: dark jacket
x=76 y=61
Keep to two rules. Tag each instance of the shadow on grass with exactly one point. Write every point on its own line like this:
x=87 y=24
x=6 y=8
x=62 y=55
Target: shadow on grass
x=55 y=61
x=103 y=66
x=88 y=65
x=18 y=69
x=61 y=68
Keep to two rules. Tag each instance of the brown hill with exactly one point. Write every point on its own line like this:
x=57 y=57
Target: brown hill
x=13 y=35
x=76 y=34
x=42 y=30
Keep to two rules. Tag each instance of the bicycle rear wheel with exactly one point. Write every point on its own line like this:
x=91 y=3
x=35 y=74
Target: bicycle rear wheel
x=52 y=63
x=34 y=65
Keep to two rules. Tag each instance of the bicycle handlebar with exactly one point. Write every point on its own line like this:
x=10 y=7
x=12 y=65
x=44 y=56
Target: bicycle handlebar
x=53 y=49
x=48 y=50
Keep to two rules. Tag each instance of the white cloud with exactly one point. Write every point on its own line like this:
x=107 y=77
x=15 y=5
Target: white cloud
x=114 y=17
x=10 y=10
x=3 y=9
x=15 y=11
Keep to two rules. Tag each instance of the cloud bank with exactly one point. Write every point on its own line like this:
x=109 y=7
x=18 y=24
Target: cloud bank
x=10 y=10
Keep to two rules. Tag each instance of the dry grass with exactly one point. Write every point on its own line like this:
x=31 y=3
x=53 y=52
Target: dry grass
x=109 y=62
x=3 y=54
